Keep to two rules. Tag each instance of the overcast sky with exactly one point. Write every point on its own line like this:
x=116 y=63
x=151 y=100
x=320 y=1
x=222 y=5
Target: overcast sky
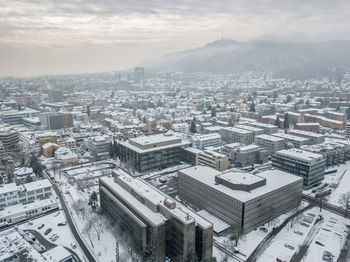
x=77 y=36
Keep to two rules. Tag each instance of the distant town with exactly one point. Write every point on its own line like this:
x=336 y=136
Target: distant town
x=169 y=166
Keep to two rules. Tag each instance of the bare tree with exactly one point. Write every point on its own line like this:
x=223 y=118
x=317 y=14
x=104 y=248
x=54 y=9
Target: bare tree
x=87 y=230
x=79 y=206
x=344 y=200
x=97 y=225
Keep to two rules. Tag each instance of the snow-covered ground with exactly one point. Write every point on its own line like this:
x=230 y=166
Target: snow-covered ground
x=66 y=237
x=343 y=187
x=247 y=243
x=105 y=248
x=331 y=231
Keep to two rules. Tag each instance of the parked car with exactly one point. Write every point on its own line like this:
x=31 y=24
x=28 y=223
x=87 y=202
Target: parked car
x=48 y=231
x=54 y=237
x=42 y=225
x=263 y=229
x=304 y=224
x=289 y=246
x=62 y=224
x=327 y=256
x=298 y=233
x=74 y=246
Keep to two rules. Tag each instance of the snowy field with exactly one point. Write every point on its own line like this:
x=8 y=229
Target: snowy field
x=66 y=237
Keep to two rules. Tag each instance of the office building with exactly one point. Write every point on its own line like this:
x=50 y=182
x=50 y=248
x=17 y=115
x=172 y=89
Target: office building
x=55 y=120
x=153 y=219
x=310 y=166
x=243 y=200
x=151 y=152
x=271 y=143
x=15 y=117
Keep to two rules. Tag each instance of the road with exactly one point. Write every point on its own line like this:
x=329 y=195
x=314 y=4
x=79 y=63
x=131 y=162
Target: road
x=228 y=252
x=81 y=243
x=331 y=208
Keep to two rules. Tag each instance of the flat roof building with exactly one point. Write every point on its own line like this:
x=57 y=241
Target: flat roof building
x=152 y=218
x=271 y=143
x=297 y=141
x=237 y=135
x=268 y=129
x=151 y=152
x=242 y=200
x=310 y=166
x=314 y=138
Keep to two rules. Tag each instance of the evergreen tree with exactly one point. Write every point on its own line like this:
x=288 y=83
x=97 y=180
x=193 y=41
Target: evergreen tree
x=213 y=112
x=148 y=254
x=289 y=99
x=88 y=110
x=192 y=257
x=278 y=122
x=252 y=107
x=348 y=113
x=286 y=121
x=93 y=200
x=193 y=126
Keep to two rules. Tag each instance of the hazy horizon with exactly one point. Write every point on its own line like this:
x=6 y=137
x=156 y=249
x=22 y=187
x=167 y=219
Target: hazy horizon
x=69 y=37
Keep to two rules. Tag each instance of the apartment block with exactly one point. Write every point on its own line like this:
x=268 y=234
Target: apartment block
x=271 y=143
x=237 y=135
x=243 y=156
x=314 y=138
x=204 y=141
x=268 y=129
x=297 y=141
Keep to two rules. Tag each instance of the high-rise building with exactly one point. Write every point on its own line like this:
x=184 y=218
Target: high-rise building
x=55 y=120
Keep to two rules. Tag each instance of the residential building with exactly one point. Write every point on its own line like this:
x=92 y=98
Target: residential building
x=8 y=136
x=99 y=147
x=15 y=117
x=311 y=127
x=243 y=200
x=296 y=141
x=243 y=156
x=309 y=166
x=204 y=141
x=314 y=138
x=49 y=149
x=236 y=135
x=213 y=159
x=268 y=129
x=271 y=143
x=257 y=131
